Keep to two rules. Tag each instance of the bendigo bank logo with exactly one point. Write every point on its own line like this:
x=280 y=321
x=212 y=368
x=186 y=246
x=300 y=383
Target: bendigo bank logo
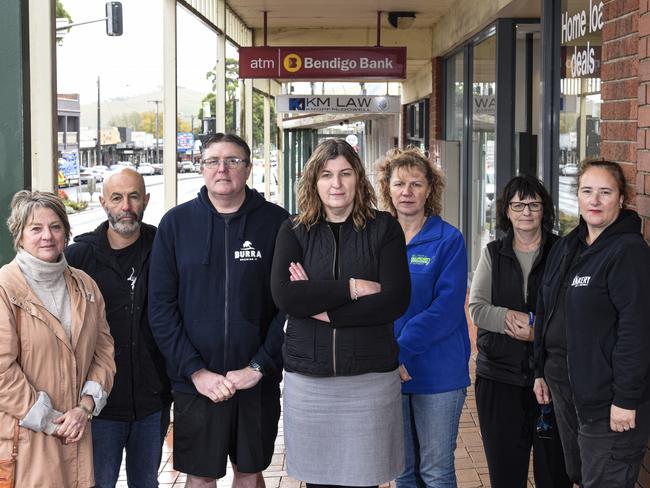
x=292 y=63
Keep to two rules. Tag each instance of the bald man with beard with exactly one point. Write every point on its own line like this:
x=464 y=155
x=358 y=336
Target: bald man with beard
x=116 y=256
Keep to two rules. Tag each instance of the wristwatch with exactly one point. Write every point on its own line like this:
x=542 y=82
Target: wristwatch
x=254 y=365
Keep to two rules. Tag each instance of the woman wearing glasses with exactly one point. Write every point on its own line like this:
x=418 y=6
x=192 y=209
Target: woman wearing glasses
x=502 y=305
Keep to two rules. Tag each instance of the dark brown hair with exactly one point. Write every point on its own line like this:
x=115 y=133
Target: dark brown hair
x=309 y=203
x=231 y=138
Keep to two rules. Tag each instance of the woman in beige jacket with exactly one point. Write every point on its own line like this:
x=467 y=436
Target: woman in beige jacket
x=56 y=351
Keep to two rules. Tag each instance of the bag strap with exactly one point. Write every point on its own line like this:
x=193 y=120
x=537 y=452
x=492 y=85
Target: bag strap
x=14 y=450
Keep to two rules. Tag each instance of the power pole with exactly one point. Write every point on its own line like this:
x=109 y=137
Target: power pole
x=99 y=142
x=157 y=102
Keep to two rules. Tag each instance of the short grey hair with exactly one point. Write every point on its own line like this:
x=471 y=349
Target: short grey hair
x=22 y=208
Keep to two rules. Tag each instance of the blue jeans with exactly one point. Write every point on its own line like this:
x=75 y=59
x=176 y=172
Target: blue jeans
x=430 y=431
x=142 y=439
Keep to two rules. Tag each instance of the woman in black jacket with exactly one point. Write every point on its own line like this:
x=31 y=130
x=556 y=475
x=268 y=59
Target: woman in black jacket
x=502 y=304
x=340 y=273
x=592 y=335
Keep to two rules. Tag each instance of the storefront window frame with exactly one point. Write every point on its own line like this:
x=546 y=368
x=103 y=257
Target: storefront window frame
x=505 y=32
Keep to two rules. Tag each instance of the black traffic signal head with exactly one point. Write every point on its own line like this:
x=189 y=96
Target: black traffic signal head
x=114 y=18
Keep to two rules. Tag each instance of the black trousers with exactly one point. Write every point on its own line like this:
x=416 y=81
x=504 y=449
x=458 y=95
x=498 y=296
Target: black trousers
x=595 y=456
x=508 y=417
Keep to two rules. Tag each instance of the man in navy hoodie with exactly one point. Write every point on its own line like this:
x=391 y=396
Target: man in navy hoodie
x=214 y=320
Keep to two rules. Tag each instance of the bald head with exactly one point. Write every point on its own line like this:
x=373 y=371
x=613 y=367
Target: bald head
x=124 y=200
x=122 y=177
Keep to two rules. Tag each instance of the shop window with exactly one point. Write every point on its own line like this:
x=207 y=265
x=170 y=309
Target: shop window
x=580 y=102
x=417 y=130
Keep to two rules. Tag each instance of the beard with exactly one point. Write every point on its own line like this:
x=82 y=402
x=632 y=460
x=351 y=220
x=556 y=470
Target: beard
x=125 y=228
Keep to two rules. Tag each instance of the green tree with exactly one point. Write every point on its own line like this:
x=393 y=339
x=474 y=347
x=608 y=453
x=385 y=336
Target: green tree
x=146 y=122
x=62 y=13
x=232 y=85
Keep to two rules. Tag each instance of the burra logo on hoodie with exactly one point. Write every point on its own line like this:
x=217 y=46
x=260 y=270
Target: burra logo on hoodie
x=248 y=252
x=579 y=281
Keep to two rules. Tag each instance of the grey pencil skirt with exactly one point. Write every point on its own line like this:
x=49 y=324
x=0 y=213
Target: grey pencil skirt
x=344 y=430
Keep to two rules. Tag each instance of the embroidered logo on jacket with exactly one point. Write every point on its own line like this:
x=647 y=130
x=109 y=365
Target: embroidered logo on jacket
x=420 y=259
x=248 y=252
x=579 y=281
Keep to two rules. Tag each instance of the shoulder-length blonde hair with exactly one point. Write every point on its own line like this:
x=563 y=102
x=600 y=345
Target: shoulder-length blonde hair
x=23 y=205
x=410 y=158
x=310 y=206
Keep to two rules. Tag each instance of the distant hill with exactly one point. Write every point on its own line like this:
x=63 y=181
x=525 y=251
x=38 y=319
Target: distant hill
x=189 y=103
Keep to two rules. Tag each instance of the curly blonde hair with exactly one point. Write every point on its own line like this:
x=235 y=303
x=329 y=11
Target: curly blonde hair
x=22 y=207
x=309 y=203
x=411 y=158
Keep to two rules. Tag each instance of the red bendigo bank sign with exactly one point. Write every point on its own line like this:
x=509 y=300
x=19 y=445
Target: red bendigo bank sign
x=322 y=62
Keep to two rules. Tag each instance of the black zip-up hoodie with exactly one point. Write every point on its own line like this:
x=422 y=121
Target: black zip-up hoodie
x=210 y=302
x=141 y=385
x=607 y=315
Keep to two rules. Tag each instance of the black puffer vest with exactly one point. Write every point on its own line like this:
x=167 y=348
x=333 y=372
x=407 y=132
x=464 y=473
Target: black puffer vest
x=501 y=358
x=314 y=348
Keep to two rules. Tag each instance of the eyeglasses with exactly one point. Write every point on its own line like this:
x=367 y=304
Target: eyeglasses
x=230 y=163
x=532 y=206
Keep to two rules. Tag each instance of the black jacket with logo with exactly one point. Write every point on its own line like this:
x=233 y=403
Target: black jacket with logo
x=500 y=357
x=209 y=300
x=607 y=316
x=141 y=384
x=359 y=338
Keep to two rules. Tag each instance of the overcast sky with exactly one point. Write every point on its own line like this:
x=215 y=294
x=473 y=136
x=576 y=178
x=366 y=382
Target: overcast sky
x=132 y=63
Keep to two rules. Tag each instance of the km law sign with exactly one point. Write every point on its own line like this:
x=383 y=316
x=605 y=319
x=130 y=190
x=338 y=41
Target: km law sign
x=338 y=104
x=322 y=62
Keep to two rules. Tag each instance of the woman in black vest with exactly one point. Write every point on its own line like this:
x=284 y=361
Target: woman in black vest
x=340 y=273
x=502 y=305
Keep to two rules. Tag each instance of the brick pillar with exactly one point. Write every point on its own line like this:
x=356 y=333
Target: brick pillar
x=643 y=139
x=620 y=85
x=436 y=104
x=626 y=109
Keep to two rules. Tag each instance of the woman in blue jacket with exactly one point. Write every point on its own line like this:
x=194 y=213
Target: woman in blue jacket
x=432 y=335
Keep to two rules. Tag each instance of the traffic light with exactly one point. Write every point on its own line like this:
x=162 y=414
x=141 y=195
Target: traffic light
x=114 y=18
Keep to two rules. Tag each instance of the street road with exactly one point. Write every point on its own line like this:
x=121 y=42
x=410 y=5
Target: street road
x=188 y=187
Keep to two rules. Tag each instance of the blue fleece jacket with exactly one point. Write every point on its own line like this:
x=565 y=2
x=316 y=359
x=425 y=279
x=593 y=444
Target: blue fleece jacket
x=432 y=334
x=210 y=303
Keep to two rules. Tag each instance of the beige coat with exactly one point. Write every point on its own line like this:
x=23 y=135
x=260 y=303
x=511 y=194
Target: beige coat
x=52 y=363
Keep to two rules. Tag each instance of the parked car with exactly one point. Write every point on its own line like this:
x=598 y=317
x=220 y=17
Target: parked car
x=146 y=169
x=570 y=170
x=100 y=172
x=85 y=175
x=158 y=168
x=186 y=167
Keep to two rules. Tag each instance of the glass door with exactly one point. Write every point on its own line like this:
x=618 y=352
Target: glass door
x=483 y=147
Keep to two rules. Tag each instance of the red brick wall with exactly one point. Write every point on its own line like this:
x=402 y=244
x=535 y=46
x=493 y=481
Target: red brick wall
x=625 y=111
x=643 y=139
x=643 y=153
x=436 y=107
x=620 y=86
